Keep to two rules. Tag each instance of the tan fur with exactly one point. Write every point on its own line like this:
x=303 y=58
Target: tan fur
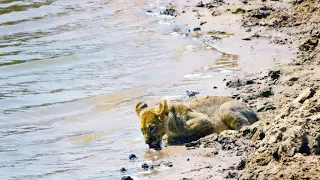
x=186 y=122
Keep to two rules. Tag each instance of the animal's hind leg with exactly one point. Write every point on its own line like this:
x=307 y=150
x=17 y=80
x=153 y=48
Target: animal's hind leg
x=199 y=126
x=235 y=114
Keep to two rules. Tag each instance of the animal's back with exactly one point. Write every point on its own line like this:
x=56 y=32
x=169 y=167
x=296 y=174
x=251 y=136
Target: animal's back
x=210 y=107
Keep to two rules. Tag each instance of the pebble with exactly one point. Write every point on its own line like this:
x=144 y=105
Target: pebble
x=132 y=157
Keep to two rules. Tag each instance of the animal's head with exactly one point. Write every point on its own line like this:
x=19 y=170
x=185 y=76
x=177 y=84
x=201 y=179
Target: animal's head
x=153 y=122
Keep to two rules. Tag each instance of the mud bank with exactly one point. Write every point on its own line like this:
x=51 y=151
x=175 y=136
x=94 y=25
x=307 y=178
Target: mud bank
x=285 y=144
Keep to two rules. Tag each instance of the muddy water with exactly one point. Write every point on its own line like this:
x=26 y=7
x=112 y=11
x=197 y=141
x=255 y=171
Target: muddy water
x=71 y=74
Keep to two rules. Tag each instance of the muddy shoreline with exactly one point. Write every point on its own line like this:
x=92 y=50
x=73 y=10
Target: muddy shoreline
x=285 y=144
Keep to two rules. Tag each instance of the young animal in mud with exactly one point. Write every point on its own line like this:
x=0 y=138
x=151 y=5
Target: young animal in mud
x=186 y=122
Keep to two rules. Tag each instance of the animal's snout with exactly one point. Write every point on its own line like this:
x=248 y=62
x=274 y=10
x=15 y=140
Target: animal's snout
x=149 y=140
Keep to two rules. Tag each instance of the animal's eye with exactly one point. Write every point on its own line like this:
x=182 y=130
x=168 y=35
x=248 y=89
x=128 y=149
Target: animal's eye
x=152 y=128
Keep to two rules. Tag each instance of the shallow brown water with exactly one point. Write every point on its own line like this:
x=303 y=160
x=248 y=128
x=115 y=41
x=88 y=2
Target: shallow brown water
x=71 y=74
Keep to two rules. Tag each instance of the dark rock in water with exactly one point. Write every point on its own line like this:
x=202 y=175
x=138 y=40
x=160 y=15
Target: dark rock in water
x=169 y=12
x=241 y=165
x=274 y=74
x=123 y=170
x=126 y=178
x=244 y=2
x=215 y=87
x=146 y=166
x=132 y=157
x=197 y=29
x=246 y=39
x=191 y=93
x=193 y=144
x=149 y=11
x=167 y=163
x=200 y=4
x=203 y=22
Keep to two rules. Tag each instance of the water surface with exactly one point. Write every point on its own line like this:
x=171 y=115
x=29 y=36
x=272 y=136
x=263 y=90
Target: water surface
x=71 y=74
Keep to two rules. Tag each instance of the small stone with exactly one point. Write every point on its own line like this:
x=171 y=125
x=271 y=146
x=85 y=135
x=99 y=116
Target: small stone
x=306 y=94
x=169 y=12
x=132 y=157
x=126 y=178
x=308 y=44
x=215 y=152
x=193 y=144
x=241 y=165
x=215 y=87
x=145 y=166
x=274 y=74
x=200 y=4
x=123 y=170
x=239 y=153
x=265 y=92
x=203 y=22
x=238 y=11
x=149 y=11
x=244 y=2
x=197 y=29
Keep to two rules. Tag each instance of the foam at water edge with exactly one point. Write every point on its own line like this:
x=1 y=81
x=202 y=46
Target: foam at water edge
x=172 y=98
x=192 y=76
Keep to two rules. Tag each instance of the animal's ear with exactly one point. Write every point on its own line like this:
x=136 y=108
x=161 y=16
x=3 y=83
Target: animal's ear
x=163 y=109
x=140 y=106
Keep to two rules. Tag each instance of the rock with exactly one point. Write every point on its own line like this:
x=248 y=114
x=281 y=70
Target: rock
x=241 y=165
x=230 y=175
x=132 y=157
x=259 y=14
x=266 y=107
x=197 y=29
x=215 y=87
x=169 y=12
x=200 y=4
x=265 y=92
x=123 y=169
x=306 y=94
x=274 y=74
x=215 y=12
x=246 y=39
x=203 y=22
x=215 y=152
x=209 y=6
x=146 y=166
x=316 y=118
x=244 y=2
x=193 y=144
x=308 y=44
x=167 y=163
x=149 y=11
x=238 y=11
x=126 y=178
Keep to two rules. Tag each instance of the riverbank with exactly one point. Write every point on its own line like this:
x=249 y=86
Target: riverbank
x=285 y=144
